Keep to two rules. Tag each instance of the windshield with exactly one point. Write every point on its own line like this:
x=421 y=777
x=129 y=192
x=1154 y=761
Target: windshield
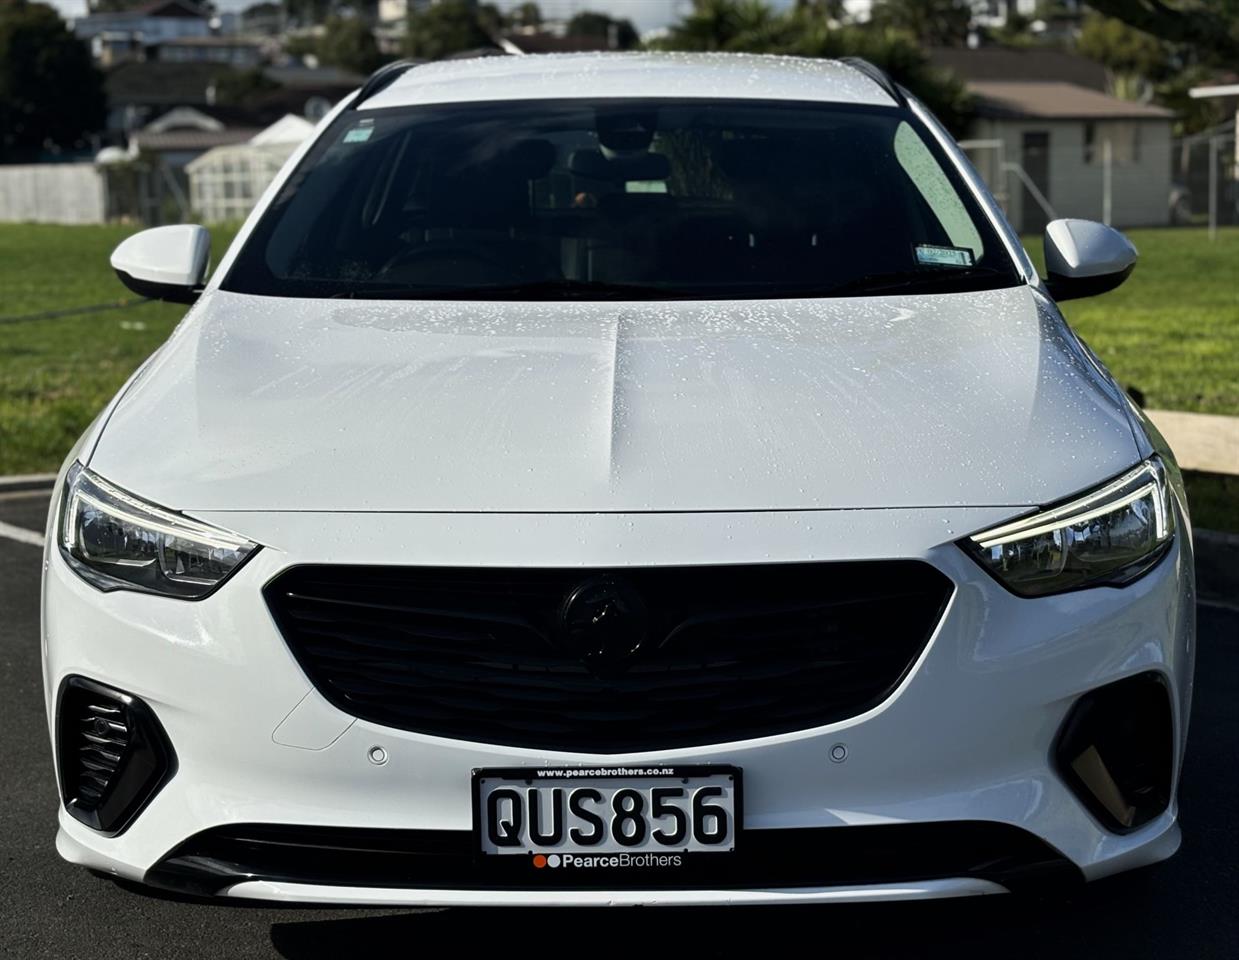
x=621 y=199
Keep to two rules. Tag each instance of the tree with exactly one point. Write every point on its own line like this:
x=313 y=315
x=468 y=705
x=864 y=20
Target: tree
x=265 y=8
x=526 y=15
x=451 y=26
x=935 y=23
x=720 y=25
x=835 y=10
x=349 y=44
x=239 y=87
x=1207 y=29
x=114 y=6
x=811 y=30
x=900 y=56
x=1168 y=47
x=1133 y=59
x=618 y=34
x=51 y=95
x=306 y=13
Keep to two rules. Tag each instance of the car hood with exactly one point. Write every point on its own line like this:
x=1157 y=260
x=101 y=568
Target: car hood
x=260 y=403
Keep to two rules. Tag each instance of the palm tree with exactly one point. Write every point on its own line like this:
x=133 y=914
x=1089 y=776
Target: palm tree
x=719 y=24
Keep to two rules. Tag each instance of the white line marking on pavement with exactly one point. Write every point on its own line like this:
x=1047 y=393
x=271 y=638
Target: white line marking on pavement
x=24 y=478
x=20 y=534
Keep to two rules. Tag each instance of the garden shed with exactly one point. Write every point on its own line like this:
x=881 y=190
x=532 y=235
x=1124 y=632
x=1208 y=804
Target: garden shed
x=226 y=182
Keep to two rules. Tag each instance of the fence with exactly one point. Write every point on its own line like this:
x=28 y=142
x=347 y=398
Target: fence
x=1189 y=181
x=52 y=193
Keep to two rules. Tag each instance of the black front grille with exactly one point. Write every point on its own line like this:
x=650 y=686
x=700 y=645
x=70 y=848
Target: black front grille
x=608 y=660
x=210 y=862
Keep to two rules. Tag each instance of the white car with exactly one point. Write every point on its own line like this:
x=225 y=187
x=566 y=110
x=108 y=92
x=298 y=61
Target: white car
x=620 y=479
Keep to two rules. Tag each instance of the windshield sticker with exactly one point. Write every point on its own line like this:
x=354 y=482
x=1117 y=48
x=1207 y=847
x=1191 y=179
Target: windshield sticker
x=932 y=256
x=359 y=134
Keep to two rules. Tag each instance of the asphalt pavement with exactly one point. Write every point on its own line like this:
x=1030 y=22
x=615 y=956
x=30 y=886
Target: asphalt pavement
x=1185 y=907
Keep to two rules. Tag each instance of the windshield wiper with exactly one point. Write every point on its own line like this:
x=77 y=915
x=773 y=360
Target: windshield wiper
x=532 y=290
x=926 y=280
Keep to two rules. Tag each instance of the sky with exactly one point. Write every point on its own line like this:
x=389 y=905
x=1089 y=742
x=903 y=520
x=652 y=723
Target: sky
x=646 y=14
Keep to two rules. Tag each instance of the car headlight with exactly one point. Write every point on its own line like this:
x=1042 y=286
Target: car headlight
x=1107 y=537
x=118 y=542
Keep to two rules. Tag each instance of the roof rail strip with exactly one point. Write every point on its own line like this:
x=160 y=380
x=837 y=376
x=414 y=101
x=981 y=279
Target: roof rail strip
x=878 y=76
x=381 y=79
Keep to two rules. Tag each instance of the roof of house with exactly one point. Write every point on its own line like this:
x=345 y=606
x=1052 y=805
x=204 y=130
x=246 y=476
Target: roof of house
x=1021 y=99
x=213 y=41
x=1041 y=64
x=314 y=77
x=290 y=128
x=609 y=75
x=180 y=9
x=182 y=140
x=1222 y=85
x=183 y=118
x=158 y=82
x=262 y=109
x=171 y=8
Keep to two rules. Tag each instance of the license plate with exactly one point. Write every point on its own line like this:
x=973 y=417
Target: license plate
x=606 y=816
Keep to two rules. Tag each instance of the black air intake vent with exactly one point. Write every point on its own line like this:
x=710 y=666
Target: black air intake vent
x=1116 y=751
x=112 y=754
x=104 y=738
x=608 y=660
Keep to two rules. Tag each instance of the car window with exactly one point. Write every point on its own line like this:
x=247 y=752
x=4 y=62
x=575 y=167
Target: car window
x=639 y=199
x=931 y=182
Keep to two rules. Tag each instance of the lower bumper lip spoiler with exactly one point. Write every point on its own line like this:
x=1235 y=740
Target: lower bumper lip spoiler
x=208 y=863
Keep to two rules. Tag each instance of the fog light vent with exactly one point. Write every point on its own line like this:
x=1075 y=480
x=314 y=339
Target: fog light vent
x=112 y=754
x=1116 y=751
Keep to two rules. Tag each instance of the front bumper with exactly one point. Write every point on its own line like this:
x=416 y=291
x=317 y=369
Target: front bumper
x=965 y=738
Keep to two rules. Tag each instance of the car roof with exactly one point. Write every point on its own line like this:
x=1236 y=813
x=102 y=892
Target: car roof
x=614 y=75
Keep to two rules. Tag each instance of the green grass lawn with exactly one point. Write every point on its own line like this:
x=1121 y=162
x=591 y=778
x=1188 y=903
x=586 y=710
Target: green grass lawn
x=56 y=375
x=1172 y=331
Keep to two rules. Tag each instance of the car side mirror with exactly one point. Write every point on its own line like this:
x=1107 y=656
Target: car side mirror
x=165 y=263
x=1084 y=258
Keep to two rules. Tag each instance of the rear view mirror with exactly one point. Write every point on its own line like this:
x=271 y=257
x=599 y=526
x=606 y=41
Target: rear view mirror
x=1084 y=258
x=619 y=168
x=165 y=263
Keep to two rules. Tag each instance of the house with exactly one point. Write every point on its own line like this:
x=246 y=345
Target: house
x=184 y=133
x=242 y=53
x=1019 y=63
x=1050 y=149
x=985 y=13
x=123 y=34
x=390 y=11
x=139 y=92
x=302 y=77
